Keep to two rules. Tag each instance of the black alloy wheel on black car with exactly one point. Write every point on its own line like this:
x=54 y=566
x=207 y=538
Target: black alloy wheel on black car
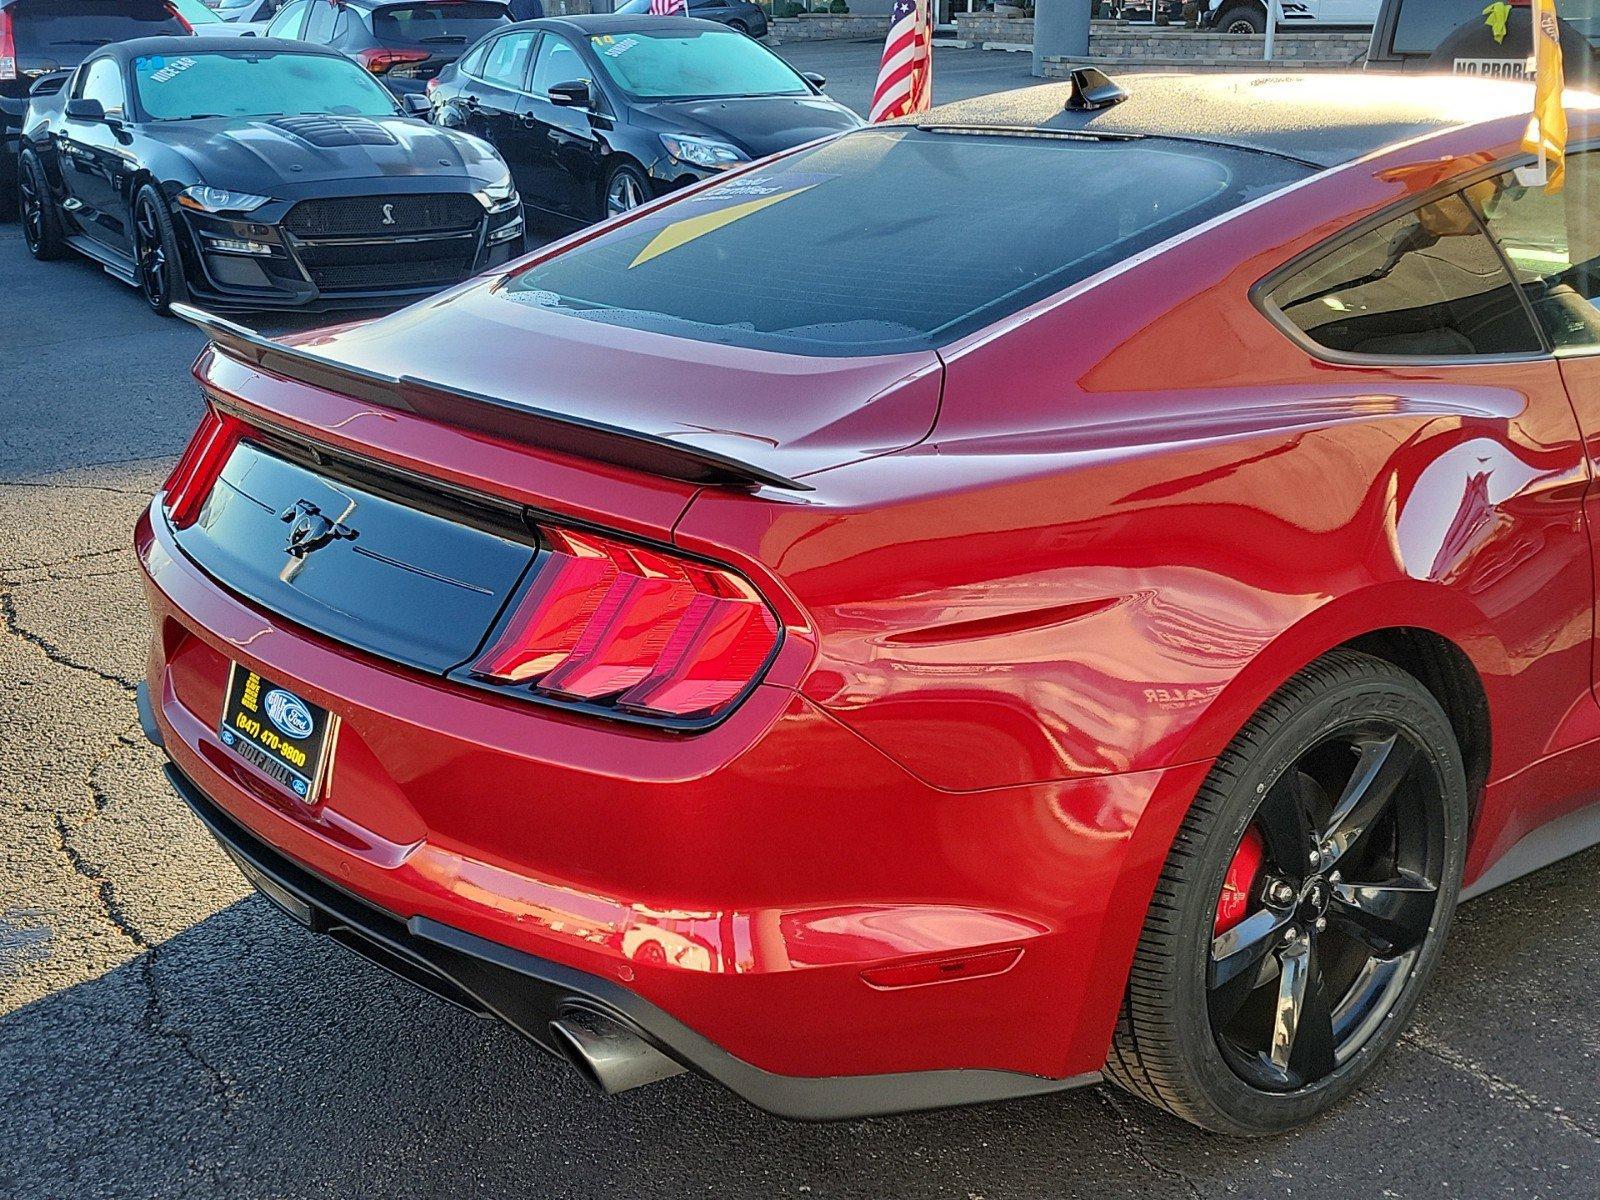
x=1304 y=905
x=155 y=252
x=41 y=220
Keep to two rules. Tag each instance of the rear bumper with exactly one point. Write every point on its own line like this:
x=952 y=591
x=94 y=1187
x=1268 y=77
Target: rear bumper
x=530 y=993
x=736 y=895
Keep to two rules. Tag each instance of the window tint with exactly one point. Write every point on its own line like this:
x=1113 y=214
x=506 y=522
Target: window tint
x=1427 y=285
x=58 y=33
x=705 y=63
x=472 y=61
x=558 y=63
x=102 y=81
x=287 y=23
x=1553 y=243
x=507 y=64
x=320 y=27
x=829 y=251
x=453 y=23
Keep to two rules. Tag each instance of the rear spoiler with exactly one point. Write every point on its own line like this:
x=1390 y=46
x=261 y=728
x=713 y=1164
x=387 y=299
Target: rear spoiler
x=487 y=414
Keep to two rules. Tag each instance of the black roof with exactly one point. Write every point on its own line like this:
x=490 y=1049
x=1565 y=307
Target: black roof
x=1322 y=119
x=622 y=23
x=126 y=51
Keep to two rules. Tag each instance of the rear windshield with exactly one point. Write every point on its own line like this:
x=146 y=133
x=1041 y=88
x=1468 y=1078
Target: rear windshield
x=1423 y=24
x=249 y=83
x=697 y=64
x=893 y=239
x=64 y=32
x=452 y=23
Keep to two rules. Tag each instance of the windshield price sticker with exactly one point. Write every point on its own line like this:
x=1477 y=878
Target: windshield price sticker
x=168 y=72
x=620 y=48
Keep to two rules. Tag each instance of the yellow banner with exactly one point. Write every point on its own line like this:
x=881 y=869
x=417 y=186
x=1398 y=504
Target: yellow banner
x=1547 y=130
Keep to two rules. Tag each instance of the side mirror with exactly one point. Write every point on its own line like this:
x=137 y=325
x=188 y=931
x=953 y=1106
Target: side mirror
x=86 y=110
x=416 y=104
x=571 y=95
x=817 y=81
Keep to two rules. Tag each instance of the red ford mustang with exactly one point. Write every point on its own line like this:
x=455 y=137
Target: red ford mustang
x=1058 y=588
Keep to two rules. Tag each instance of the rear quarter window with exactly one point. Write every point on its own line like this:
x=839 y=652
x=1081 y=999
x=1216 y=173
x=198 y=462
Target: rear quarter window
x=893 y=239
x=1426 y=285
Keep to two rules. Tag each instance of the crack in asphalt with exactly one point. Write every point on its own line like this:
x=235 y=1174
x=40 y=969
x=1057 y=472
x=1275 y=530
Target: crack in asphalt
x=1500 y=1086
x=53 y=564
x=53 y=652
x=156 y=1020
x=1133 y=1143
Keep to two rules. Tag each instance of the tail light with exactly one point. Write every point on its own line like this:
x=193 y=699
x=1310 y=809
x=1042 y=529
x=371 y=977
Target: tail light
x=8 y=47
x=379 y=61
x=180 y=18
x=637 y=629
x=432 y=83
x=197 y=471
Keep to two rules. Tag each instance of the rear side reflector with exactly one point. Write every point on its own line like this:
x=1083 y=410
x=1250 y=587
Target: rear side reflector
x=197 y=471
x=636 y=628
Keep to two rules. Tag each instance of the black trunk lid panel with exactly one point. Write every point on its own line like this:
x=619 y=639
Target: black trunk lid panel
x=413 y=586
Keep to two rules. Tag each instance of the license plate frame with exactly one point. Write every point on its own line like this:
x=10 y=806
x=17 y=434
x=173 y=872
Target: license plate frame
x=285 y=737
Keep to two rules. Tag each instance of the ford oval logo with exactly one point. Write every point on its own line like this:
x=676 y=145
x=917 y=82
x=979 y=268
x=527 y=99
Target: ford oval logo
x=289 y=713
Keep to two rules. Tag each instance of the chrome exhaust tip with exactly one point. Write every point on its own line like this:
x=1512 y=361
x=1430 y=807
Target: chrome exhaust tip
x=610 y=1057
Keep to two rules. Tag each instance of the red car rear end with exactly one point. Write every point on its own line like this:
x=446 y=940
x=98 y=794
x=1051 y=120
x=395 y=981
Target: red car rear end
x=732 y=642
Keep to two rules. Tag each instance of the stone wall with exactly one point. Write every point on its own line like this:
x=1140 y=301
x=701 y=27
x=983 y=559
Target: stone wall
x=1121 y=44
x=818 y=27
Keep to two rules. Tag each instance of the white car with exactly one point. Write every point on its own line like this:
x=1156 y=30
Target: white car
x=1250 y=16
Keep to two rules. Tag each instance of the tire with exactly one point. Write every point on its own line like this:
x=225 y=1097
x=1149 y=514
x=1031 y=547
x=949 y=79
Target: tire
x=626 y=187
x=1243 y=18
x=1211 y=1040
x=41 y=219
x=158 y=266
x=739 y=27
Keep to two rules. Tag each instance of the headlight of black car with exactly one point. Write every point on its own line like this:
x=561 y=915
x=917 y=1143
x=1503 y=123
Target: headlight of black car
x=499 y=196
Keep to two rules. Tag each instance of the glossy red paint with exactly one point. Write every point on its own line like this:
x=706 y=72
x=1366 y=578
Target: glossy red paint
x=1043 y=579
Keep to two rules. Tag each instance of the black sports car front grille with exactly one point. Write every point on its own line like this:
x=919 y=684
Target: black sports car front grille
x=384 y=216
x=376 y=277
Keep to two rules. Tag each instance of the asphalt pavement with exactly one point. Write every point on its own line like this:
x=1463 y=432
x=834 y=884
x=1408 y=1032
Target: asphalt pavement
x=165 y=1033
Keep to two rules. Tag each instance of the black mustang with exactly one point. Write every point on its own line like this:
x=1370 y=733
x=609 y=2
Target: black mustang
x=262 y=174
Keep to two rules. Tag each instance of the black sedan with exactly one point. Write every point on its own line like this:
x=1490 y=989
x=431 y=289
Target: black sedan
x=598 y=114
x=257 y=175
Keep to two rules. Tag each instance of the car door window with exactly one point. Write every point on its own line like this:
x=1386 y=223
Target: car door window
x=507 y=62
x=102 y=80
x=319 y=28
x=558 y=62
x=472 y=60
x=287 y=23
x=1553 y=245
x=1429 y=284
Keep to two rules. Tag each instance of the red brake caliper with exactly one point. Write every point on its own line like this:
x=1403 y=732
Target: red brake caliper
x=1238 y=886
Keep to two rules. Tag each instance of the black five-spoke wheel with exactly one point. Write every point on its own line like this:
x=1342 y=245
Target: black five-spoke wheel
x=1347 y=889
x=150 y=254
x=1304 y=903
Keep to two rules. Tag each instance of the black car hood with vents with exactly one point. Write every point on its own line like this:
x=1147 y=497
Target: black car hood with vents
x=289 y=157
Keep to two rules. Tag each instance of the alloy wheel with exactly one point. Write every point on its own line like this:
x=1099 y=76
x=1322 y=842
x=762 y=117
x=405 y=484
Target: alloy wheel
x=32 y=206
x=1340 y=876
x=623 y=193
x=151 y=252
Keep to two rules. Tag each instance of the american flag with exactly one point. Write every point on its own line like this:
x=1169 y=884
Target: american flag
x=905 y=77
x=665 y=8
